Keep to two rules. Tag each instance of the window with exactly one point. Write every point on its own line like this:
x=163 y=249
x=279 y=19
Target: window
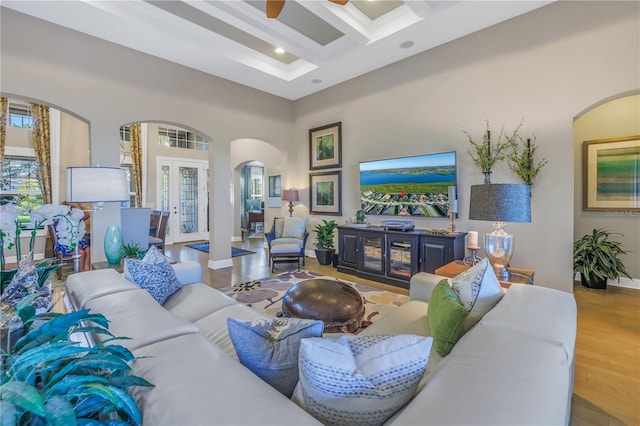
x=125 y=133
x=177 y=138
x=132 y=190
x=20 y=116
x=20 y=182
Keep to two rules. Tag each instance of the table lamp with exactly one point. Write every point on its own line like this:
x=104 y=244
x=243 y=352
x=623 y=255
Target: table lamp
x=500 y=203
x=290 y=195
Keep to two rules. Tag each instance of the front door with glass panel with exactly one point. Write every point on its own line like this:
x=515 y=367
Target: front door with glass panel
x=183 y=191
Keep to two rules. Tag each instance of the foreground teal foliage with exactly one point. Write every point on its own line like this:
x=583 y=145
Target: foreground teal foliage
x=48 y=379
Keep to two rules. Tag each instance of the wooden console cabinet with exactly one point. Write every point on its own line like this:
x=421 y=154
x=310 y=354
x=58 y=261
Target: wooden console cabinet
x=393 y=257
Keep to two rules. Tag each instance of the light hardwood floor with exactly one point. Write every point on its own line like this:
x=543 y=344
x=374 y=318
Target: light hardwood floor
x=607 y=366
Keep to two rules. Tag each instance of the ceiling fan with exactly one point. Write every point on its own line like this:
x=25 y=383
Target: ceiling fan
x=275 y=6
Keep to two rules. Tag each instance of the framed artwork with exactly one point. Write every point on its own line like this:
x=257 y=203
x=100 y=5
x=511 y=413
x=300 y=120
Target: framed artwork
x=274 y=191
x=611 y=174
x=325 y=191
x=275 y=187
x=325 y=147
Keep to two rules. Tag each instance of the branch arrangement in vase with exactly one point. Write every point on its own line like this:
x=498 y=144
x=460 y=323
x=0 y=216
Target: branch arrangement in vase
x=522 y=159
x=485 y=155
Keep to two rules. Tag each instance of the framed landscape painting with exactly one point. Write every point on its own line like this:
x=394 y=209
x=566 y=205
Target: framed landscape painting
x=325 y=147
x=325 y=193
x=611 y=174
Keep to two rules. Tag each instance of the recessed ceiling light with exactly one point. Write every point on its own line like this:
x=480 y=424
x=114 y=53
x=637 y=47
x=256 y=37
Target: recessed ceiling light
x=280 y=50
x=406 y=44
x=316 y=81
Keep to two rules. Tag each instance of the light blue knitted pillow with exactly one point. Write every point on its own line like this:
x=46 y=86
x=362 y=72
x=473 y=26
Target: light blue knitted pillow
x=359 y=380
x=294 y=227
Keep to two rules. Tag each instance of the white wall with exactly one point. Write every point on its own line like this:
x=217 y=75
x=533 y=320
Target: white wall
x=545 y=67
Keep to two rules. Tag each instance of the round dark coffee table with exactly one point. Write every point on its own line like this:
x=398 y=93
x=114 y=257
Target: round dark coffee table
x=335 y=303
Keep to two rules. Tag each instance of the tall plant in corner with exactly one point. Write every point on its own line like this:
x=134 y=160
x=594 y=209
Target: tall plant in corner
x=596 y=258
x=324 y=241
x=47 y=378
x=485 y=155
x=522 y=159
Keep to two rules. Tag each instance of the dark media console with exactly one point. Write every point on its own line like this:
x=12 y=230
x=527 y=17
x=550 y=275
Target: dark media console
x=393 y=256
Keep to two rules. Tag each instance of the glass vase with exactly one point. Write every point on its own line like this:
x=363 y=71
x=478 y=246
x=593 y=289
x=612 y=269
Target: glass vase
x=113 y=244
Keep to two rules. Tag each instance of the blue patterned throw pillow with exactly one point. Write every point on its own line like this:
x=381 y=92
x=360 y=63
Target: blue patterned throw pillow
x=359 y=380
x=269 y=347
x=159 y=279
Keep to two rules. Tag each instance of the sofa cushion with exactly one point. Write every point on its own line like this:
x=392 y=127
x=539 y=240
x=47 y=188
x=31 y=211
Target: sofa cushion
x=286 y=241
x=196 y=383
x=135 y=315
x=158 y=279
x=446 y=317
x=195 y=301
x=269 y=347
x=294 y=227
x=85 y=286
x=359 y=380
x=478 y=290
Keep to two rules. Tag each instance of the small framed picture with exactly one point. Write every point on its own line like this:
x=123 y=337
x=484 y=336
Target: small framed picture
x=325 y=147
x=610 y=174
x=325 y=193
x=275 y=189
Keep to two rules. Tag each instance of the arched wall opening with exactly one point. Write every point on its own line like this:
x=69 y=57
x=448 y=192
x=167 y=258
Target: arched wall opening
x=243 y=152
x=615 y=117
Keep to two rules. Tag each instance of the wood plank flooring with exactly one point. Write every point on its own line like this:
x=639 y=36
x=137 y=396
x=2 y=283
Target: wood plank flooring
x=607 y=366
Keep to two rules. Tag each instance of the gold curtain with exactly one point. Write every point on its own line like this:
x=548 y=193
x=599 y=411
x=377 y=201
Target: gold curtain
x=4 y=115
x=42 y=148
x=136 y=160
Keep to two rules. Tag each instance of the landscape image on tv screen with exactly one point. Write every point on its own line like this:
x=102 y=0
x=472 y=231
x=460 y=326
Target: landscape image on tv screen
x=408 y=186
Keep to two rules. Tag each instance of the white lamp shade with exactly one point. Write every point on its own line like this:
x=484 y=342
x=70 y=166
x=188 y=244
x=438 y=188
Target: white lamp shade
x=96 y=184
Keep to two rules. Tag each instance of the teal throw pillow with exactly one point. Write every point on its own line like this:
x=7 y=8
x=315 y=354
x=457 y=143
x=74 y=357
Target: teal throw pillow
x=269 y=347
x=294 y=227
x=446 y=317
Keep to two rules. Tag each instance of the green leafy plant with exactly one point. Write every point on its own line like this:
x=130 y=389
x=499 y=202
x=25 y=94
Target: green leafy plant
x=47 y=378
x=360 y=216
x=324 y=231
x=522 y=159
x=596 y=257
x=132 y=250
x=484 y=154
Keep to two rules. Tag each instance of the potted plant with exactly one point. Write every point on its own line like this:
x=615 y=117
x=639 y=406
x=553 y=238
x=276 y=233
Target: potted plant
x=595 y=256
x=485 y=155
x=523 y=162
x=132 y=250
x=46 y=377
x=324 y=241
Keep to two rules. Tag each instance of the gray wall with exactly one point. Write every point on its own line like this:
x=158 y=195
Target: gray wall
x=544 y=67
x=108 y=85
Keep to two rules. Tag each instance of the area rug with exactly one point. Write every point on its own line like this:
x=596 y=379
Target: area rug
x=265 y=295
x=235 y=251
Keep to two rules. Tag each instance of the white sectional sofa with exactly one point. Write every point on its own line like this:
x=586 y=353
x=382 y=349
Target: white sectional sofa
x=515 y=367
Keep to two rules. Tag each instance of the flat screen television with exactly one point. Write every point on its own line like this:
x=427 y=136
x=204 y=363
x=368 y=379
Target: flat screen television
x=408 y=186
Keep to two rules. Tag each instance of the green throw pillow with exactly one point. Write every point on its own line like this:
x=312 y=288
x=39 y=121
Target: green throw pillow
x=446 y=317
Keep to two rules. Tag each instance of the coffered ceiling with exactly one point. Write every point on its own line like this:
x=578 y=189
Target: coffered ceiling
x=324 y=43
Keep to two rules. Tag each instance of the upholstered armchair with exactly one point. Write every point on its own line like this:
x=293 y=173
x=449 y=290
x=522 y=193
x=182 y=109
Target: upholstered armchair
x=287 y=239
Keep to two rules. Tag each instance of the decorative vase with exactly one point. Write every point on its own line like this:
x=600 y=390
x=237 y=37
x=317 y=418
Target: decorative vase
x=113 y=244
x=487 y=177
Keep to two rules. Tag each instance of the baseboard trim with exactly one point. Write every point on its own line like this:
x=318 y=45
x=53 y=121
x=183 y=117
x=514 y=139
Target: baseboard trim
x=219 y=264
x=624 y=282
